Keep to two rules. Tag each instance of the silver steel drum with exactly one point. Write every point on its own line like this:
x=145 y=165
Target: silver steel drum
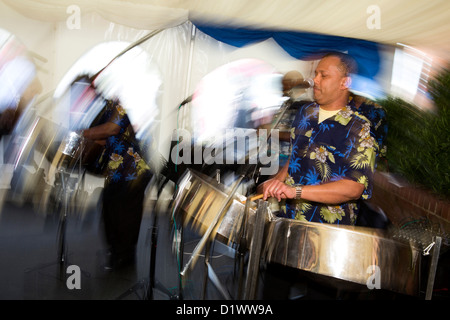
x=72 y=144
x=32 y=133
x=199 y=199
x=69 y=153
x=359 y=255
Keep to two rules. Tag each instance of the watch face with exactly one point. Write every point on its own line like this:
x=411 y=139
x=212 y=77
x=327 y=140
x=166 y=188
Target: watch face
x=298 y=192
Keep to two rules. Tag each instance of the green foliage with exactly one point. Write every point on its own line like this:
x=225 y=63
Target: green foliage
x=418 y=141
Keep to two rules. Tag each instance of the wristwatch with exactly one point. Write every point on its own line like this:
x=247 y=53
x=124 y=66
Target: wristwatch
x=298 y=192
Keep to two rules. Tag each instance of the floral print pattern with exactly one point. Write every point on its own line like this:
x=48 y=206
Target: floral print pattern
x=122 y=151
x=378 y=119
x=340 y=147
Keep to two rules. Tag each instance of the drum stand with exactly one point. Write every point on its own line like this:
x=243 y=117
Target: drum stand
x=255 y=250
x=206 y=241
x=433 y=266
x=151 y=282
x=62 y=253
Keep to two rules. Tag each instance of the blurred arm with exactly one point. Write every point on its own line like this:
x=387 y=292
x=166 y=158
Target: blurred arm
x=101 y=132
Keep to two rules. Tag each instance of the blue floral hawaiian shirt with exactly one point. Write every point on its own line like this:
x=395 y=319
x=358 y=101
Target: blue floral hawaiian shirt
x=377 y=116
x=122 y=151
x=340 y=147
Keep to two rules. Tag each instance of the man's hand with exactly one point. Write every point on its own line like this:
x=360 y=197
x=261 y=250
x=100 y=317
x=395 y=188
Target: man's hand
x=334 y=192
x=277 y=189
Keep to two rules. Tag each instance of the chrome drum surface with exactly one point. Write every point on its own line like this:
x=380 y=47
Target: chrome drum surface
x=360 y=255
x=199 y=199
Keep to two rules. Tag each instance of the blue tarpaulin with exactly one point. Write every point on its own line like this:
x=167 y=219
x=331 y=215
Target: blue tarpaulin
x=303 y=45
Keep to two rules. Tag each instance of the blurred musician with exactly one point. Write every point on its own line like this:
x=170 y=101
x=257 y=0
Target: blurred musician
x=126 y=178
x=19 y=85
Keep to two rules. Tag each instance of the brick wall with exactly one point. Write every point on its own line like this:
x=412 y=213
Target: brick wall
x=402 y=202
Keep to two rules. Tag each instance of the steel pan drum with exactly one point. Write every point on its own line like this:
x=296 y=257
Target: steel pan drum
x=199 y=200
x=75 y=151
x=72 y=145
x=69 y=153
x=360 y=255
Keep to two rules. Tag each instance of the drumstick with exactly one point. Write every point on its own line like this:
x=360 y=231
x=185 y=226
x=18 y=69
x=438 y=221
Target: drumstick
x=259 y=196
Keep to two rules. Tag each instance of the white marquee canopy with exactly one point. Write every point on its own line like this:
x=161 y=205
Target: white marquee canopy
x=418 y=23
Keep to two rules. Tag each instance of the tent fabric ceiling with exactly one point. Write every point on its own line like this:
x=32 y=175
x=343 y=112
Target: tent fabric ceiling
x=417 y=23
x=135 y=14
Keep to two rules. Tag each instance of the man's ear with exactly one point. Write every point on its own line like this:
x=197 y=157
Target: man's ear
x=346 y=82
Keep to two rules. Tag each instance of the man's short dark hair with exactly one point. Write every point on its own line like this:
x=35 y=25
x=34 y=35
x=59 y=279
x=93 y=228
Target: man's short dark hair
x=348 y=65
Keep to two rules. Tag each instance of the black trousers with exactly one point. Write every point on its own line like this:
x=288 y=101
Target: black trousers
x=123 y=205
